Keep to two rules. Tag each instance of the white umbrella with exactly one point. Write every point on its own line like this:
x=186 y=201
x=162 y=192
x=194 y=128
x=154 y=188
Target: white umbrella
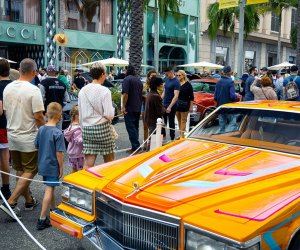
x=281 y=65
x=202 y=65
x=10 y=61
x=115 y=62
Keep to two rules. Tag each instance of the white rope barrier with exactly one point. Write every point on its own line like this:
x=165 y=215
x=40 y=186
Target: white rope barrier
x=24 y=178
x=143 y=142
x=21 y=224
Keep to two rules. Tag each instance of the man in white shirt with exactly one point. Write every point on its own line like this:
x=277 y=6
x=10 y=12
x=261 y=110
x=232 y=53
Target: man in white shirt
x=24 y=108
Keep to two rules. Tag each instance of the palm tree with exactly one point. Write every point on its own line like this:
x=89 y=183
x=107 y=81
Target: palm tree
x=276 y=7
x=137 y=26
x=225 y=20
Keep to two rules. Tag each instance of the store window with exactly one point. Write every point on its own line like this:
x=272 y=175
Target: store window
x=92 y=16
x=294 y=19
x=173 y=29
x=221 y=55
x=249 y=59
x=21 y=11
x=292 y=59
x=150 y=36
x=275 y=22
x=192 y=39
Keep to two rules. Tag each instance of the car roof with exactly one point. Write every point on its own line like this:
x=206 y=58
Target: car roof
x=290 y=106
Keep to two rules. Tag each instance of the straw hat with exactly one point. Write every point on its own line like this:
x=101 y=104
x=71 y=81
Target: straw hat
x=61 y=39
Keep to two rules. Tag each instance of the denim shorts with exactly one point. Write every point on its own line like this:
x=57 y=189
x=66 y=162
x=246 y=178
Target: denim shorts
x=51 y=179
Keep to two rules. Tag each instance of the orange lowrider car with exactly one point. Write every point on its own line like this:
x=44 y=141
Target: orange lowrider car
x=232 y=184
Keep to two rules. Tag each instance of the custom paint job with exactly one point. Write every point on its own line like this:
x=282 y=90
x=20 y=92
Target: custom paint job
x=229 y=190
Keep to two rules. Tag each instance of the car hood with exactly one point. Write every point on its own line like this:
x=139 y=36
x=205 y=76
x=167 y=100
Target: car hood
x=190 y=171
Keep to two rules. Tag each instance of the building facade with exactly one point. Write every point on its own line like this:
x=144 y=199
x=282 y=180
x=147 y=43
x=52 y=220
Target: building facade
x=260 y=47
x=28 y=27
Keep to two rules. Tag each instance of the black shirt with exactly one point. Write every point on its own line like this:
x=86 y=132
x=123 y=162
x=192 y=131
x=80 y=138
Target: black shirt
x=79 y=82
x=54 y=91
x=132 y=85
x=186 y=92
x=3 y=84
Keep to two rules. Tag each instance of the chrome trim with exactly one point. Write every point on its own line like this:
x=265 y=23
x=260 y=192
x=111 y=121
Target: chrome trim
x=139 y=211
x=292 y=237
x=221 y=238
x=86 y=226
x=85 y=190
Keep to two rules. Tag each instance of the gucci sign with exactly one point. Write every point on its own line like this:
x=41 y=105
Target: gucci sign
x=24 y=33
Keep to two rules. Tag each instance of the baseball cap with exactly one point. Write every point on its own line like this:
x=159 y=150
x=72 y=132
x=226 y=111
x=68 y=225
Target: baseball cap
x=264 y=69
x=51 y=68
x=294 y=68
x=227 y=70
x=244 y=77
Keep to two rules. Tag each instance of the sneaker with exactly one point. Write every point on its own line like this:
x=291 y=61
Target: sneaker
x=43 y=224
x=30 y=205
x=6 y=194
x=14 y=208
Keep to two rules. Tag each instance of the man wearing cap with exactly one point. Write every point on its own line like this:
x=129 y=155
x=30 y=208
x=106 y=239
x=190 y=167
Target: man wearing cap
x=225 y=93
x=54 y=90
x=293 y=77
x=263 y=71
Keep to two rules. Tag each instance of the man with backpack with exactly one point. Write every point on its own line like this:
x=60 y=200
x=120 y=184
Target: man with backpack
x=291 y=85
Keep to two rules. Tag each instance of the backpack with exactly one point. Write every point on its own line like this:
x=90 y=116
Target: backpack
x=292 y=90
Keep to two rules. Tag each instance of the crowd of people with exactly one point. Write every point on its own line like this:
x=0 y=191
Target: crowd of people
x=31 y=133
x=31 y=118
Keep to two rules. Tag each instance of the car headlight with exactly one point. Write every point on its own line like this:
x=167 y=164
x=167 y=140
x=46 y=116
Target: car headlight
x=78 y=197
x=195 y=107
x=195 y=241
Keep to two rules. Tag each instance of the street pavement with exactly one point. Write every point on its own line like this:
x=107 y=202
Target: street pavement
x=12 y=235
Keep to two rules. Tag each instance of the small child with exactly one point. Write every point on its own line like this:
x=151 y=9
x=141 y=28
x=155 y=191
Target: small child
x=73 y=136
x=50 y=144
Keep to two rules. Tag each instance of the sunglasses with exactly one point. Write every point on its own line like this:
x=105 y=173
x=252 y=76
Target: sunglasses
x=178 y=75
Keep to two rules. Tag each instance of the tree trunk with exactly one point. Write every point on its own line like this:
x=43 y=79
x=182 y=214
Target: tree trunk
x=279 y=40
x=298 y=35
x=136 y=34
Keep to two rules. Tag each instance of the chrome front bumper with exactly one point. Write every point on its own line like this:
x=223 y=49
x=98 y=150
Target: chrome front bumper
x=92 y=236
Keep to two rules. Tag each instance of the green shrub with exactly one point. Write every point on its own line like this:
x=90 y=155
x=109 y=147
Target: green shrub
x=116 y=97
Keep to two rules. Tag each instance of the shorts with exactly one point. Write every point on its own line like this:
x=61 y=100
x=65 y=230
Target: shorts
x=26 y=162
x=76 y=163
x=55 y=181
x=3 y=136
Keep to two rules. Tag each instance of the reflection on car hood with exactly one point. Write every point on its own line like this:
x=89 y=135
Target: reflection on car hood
x=190 y=171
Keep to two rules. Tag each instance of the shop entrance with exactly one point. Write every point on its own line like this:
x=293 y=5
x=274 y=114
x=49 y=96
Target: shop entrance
x=171 y=56
x=17 y=52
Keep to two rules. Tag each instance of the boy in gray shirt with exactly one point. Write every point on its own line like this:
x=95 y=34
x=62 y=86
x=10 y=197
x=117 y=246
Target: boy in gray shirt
x=50 y=144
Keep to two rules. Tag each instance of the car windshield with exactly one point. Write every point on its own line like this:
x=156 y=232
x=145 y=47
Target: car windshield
x=203 y=87
x=267 y=129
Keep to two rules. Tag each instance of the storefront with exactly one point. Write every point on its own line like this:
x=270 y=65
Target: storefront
x=175 y=36
x=21 y=30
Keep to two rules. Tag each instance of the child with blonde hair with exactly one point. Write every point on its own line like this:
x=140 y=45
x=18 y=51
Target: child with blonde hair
x=73 y=135
x=50 y=144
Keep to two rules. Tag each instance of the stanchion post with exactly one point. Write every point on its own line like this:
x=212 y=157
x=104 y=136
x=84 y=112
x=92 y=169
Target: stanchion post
x=158 y=132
